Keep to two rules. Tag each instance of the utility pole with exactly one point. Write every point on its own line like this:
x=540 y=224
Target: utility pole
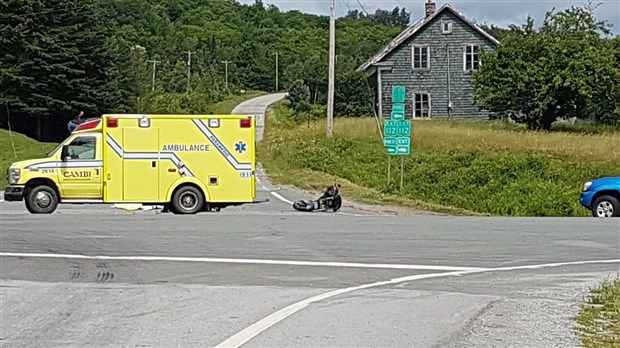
x=189 y=67
x=276 y=71
x=154 y=62
x=226 y=62
x=332 y=54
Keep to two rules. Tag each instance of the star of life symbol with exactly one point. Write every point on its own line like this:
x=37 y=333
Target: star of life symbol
x=240 y=147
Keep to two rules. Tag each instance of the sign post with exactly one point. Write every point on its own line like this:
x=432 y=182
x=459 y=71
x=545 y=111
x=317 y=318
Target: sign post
x=397 y=132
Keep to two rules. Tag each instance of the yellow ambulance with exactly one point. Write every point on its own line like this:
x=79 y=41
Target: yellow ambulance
x=188 y=163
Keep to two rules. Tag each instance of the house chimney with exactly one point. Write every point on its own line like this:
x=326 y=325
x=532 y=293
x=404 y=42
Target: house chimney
x=430 y=8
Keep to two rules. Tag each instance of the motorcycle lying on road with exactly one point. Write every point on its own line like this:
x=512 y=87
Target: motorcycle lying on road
x=329 y=200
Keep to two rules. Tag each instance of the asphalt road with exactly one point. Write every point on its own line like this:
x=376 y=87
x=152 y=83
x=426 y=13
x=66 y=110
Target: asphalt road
x=264 y=275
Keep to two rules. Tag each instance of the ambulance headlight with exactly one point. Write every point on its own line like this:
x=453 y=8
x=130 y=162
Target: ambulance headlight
x=14 y=176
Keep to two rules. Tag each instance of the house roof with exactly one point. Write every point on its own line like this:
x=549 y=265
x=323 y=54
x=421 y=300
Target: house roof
x=414 y=28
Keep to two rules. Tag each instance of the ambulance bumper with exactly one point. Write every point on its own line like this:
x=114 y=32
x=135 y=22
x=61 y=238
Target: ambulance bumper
x=14 y=193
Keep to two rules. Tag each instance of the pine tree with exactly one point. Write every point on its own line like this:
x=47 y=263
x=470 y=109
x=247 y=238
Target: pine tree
x=56 y=58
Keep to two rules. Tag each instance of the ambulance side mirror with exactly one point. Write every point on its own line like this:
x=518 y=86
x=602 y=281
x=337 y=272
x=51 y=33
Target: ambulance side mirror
x=64 y=155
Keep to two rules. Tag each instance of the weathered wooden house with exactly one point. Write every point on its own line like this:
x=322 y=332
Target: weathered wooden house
x=434 y=59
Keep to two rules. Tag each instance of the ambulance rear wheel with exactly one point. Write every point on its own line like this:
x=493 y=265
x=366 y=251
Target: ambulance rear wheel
x=41 y=199
x=187 y=200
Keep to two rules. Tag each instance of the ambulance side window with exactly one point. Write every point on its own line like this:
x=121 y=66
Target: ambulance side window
x=82 y=148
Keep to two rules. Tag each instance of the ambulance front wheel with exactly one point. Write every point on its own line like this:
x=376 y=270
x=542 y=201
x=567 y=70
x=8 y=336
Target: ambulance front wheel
x=187 y=200
x=41 y=199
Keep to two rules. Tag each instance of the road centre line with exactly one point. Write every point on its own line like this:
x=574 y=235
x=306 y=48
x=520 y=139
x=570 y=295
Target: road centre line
x=243 y=261
x=260 y=326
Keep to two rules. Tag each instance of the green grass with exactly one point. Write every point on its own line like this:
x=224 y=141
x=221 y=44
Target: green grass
x=456 y=167
x=598 y=321
x=226 y=106
x=25 y=148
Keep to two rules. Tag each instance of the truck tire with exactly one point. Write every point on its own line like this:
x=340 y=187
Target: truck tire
x=187 y=200
x=41 y=199
x=606 y=206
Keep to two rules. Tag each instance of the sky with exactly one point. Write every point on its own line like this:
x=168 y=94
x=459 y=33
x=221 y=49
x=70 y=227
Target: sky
x=498 y=12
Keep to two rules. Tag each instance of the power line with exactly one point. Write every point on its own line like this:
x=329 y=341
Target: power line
x=362 y=6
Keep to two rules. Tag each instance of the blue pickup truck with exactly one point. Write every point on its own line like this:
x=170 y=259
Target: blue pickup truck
x=602 y=197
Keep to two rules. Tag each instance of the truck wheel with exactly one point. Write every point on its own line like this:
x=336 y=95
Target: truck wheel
x=606 y=206
x=41 y=199
x=187 y=200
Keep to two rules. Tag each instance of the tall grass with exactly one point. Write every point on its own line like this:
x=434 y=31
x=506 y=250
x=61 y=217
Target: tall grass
x=487 y=169
x=598 y=321
x=486 y=136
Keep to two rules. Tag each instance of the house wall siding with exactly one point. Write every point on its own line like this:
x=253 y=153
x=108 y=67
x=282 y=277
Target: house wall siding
x=434 y=81
x=372 y=84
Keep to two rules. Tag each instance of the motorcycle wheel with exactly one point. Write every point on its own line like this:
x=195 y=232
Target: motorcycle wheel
x=303 y=205
x=336 y=204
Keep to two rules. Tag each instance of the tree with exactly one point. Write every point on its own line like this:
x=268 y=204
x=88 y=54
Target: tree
x=54 y=62
x=353 y=96
x=566 y=69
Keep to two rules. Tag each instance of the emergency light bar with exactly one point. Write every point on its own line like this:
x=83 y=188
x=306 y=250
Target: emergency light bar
x=87 y=125
x=112 y=122
x=246 y=123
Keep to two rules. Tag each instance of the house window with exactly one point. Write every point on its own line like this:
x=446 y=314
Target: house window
x=470 y=58
x=421 y=57
x=421 y=105
x=446 y=27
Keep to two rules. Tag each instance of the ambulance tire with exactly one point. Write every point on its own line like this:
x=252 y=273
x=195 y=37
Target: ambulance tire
x=187 y=200
x=41 y=199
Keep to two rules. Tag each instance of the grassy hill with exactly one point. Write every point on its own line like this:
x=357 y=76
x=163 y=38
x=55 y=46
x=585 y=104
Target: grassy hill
x=25 y=148
x=458 y=167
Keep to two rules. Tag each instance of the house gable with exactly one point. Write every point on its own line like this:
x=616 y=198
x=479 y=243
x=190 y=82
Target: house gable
x=445 y=13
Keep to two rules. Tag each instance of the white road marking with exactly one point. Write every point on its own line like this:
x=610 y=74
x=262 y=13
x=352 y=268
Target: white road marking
x=242 y=261
x=260 y=326
x=349 y=214
x=278 y=196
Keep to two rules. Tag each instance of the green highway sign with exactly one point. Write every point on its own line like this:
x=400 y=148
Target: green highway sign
x=403 y=128
x=390 y=128
x=390 y=141
x=398 y=107
x=403 y=150
x=398 y=150
x=398 y=94
x=397 y=130
x=397 y=116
